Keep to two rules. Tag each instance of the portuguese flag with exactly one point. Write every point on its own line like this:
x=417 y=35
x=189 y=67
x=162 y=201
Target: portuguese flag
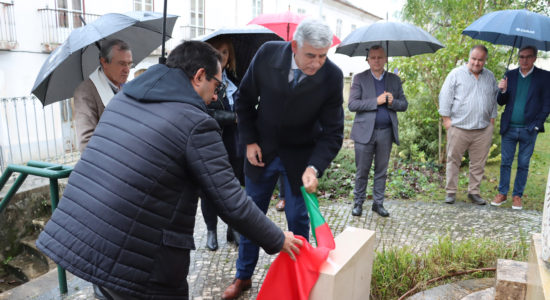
x=288 y=279
x=319 y=227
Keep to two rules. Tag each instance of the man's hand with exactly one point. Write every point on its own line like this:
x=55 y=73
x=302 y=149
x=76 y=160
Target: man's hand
x=389 y=97
x=503 y=85
x=310 y=181
x=254 y=155
x=292 y=245
x=446 y=122
x=380 y=100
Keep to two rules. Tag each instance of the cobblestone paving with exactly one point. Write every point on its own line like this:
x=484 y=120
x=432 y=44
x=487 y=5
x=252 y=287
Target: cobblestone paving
x=413 y=224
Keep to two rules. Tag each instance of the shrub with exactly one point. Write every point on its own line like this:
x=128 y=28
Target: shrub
x=397 y=270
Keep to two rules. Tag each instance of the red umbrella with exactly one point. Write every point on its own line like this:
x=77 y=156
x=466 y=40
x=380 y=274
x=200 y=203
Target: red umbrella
x=283 y=24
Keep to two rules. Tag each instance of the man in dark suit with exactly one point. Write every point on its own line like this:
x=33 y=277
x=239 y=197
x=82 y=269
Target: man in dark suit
x=291 y=119
x=525 y=93
x=375 y=96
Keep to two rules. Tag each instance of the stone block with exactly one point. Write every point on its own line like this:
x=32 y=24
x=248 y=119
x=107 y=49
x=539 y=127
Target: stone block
x=347 y=272
x=511 y=280
x=538 y=272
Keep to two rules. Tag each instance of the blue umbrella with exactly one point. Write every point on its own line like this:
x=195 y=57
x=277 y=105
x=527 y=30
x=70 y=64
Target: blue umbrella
x=72 y=62
x=516 y=28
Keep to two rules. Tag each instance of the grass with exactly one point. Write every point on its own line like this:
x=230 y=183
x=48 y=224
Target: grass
x=397 y=270
x=426 y=181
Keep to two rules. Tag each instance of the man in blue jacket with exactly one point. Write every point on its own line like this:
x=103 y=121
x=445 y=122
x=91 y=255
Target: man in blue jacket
x=127 y=215
x=525 y=93
x=291 y=120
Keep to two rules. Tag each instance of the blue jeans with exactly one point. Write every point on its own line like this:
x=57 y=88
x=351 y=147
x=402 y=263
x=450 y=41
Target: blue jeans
x=260 y=192
x=509 y=141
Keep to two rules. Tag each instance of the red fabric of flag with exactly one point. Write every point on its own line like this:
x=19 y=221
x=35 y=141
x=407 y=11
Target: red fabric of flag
x=288 y=279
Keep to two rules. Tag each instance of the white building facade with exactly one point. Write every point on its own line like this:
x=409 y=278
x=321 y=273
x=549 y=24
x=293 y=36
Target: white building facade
x=31 y=29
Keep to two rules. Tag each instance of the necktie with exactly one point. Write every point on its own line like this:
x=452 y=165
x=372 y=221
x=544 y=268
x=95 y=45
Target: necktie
x=297 y=74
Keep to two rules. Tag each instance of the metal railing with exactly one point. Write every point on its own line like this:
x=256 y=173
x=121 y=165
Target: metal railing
x=57 y=24
x=41 y=169
x=8 y=38
x=29 y=131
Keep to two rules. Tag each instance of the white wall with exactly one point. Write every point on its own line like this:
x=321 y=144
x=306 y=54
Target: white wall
x=19 y=67
x=18 y=71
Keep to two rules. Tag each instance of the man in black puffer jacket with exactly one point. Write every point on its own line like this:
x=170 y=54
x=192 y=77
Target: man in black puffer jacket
x=126 y=218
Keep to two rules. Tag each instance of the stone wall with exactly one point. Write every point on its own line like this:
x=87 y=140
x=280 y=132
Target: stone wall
x=16 y=219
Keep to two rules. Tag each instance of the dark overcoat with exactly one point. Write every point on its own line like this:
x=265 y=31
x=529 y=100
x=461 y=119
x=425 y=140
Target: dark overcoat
x=303 y=125
x=537 y=106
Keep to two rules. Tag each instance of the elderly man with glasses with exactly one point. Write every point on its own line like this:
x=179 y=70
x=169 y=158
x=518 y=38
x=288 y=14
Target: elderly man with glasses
x=526 y=97
x=94 y=93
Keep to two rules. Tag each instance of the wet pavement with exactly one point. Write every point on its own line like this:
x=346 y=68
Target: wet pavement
x=415 y=224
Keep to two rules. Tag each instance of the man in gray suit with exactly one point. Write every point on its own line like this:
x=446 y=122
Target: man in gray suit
x=375 y=96
x=93 y=94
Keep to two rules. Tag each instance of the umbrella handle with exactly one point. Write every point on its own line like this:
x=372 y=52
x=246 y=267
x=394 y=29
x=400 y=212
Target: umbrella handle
x=162 y=58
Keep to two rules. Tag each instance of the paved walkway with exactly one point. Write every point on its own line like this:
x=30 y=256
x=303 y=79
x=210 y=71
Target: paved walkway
x=414 y=224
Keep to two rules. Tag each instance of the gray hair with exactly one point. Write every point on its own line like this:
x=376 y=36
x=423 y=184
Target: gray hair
x=106 y=51
x=314 y=32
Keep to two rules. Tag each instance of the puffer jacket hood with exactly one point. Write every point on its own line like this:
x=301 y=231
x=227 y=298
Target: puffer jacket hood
x=162 y=84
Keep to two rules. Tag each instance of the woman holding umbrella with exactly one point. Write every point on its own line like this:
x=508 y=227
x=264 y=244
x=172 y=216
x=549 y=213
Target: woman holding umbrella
x=223 y=111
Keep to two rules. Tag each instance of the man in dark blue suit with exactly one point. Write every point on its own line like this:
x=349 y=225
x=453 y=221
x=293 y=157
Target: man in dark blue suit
x=291 y=120
x=526 y=95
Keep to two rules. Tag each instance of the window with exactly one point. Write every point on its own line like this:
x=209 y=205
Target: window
x=143 y=5
x=197 y=18
x=353 y=27
x=69 y=14
x=338 y=27
x=301 y=11
x=256 y=8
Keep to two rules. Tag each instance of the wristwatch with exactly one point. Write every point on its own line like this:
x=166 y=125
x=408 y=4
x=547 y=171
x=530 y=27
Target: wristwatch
x=536 y=128
x=314 y=169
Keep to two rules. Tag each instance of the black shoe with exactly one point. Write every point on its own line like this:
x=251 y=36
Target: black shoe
x=450 y=198
x=233 y=236
x=357 y=210
x=476 y=199
x=379 y=209
x=98 y=294
x=212 y=240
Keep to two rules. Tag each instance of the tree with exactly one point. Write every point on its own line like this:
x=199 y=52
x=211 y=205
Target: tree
x=423 y=75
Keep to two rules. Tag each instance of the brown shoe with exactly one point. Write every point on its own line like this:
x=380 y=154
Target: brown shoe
x=499 y=199
x=280 y=206
x=516 y=202
x=236 y=288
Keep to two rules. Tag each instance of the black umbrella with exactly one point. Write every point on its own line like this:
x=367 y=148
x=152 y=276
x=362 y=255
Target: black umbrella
x=72 y=62
x=246 y=41
x=398 y=39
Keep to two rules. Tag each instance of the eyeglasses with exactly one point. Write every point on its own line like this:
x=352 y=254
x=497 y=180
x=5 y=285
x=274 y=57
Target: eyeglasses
x=125 y=64
x=220 y=89
x=526 y=57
